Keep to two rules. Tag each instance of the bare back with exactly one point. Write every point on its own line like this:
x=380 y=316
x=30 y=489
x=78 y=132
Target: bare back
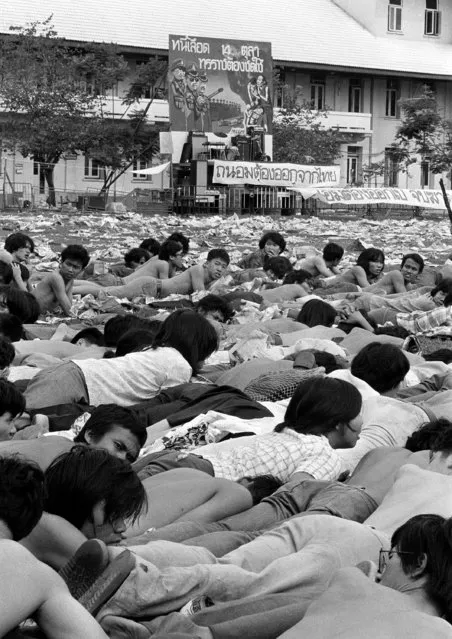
x=376 y=471
x=193 y=279
x=46 y=291
x=153 y=268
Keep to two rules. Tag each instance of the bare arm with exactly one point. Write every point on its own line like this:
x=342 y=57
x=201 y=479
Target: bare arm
x=397 y=281
x=43 y=594
x=163 y=271
x=360 y=276
x=64 y=299
x=17 y=276
x=5 y=256
x=357 y=318
x=197 y=278
x=228 y=499
x=322 y=268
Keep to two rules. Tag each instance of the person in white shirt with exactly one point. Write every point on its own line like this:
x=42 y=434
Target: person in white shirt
x=184 y=341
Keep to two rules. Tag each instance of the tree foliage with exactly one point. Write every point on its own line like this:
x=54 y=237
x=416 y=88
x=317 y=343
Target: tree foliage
x=299 y=134
x=424 y=134
x=118 y=144
x=53 y=100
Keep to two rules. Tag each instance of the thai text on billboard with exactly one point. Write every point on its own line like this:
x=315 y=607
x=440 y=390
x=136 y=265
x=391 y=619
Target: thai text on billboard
x=221 y=86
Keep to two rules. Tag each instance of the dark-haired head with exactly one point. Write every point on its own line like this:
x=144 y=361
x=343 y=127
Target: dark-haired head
x=370 y=255
x=277 y=266
x=435 y=436
x=441 y=355
x=21 y=495
x=189 y=333
x=442 y=293
x=78 y=481
x=382 y=366
x=6 y=273
x=214 y=307
x=12 y=405
x=116 y=429
x=317 y=313
x=333 y=253
x=136 y=339
x=11 y=327
x=17 y=241
x=297 y=276
x=23 y=305
x=170 y=249
x=89 y=336
x=423 y=550
x=218 y=254
x=327 y=361
x=77 y=253
x=415 y=257
x=116 y=326
x=151 y=246
x=135 y=257
x=181 y=239
x=7 y=353
x=325 y=406
x=274 y=238
x=261 y=486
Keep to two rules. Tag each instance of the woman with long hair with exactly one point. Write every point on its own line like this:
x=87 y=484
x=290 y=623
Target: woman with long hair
x=183 y=342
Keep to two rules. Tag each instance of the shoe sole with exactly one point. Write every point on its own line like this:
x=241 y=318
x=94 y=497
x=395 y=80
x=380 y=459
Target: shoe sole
x=109 y=582
x=87 y=565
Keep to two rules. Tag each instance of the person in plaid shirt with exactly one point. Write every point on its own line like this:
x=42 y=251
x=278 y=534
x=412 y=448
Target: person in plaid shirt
x=323 y=414
x=428 y=321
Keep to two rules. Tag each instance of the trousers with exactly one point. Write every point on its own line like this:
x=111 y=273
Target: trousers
x=300 y=556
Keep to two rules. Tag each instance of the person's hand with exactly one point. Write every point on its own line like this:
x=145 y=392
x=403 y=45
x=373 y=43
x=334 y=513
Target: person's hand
x=17 y=273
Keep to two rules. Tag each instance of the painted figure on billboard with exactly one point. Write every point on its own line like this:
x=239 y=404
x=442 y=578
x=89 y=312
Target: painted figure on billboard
x=220 y=86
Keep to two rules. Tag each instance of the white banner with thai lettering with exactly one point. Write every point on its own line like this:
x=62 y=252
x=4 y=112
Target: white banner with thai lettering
x=427 y=199
x=272 y=174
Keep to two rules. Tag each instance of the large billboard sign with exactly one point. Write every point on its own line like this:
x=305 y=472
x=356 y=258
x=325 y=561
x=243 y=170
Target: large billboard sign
x=222 y=86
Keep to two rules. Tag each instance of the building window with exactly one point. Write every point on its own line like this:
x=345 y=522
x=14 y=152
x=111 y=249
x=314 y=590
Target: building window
x=392 y=97
x=432 y=18
x=354 y=165
x=93 y=168
x=391 y=176
x=355 y=95
x=395 y=15
x=145 y=89
x=317 y=92
x=281 y=88
x=137 y=166
x=425 y=174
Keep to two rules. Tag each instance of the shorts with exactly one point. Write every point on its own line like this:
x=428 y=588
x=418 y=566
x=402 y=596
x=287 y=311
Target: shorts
x=107 y=279
x=145 y=286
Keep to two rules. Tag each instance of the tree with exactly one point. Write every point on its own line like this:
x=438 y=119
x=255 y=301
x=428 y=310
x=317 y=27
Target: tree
x=117 y=145
x=298 y=134
x=424 y=134
x=52 y=93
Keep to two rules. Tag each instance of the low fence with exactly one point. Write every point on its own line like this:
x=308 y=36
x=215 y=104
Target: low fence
x=191 y=200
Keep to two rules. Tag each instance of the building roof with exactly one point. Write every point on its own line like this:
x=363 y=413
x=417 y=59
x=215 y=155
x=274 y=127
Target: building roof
x=312 y=32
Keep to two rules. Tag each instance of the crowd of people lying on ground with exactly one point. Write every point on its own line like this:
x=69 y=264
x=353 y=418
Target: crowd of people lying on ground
x=252 y=450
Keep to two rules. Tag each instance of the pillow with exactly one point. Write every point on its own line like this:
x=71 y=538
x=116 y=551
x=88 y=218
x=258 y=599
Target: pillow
x=271 y=387
x=416 y=491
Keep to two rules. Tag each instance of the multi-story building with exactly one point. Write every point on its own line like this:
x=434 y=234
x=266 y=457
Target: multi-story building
x=355 y=57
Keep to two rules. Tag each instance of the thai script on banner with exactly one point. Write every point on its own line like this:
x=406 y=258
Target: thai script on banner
x=283 y=175
x=427 y=199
